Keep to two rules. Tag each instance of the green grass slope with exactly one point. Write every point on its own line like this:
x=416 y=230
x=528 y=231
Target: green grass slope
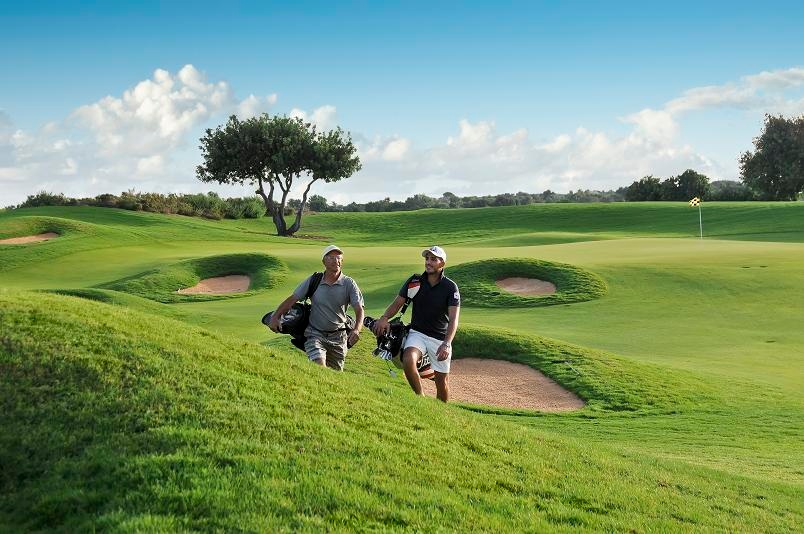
x=477 y=282
x=542 y=224
x=265 y=272
x=114 y=419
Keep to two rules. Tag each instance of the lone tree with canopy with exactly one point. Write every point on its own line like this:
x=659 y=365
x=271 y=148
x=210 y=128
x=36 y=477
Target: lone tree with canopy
x=273 y=152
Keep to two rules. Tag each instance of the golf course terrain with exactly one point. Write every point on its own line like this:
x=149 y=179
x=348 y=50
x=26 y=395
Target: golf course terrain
x=126 y=406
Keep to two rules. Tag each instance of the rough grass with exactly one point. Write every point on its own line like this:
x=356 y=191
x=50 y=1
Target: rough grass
x=117 y=420
x=476 y=281
x=161 y=284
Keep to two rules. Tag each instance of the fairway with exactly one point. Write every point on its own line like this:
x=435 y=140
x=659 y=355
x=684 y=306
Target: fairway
x=128 y=406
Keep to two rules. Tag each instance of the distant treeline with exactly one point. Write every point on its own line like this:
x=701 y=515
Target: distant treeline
x=687 y=185
x=208 y=205
x=451 y=200
x=683 y=187
x=212 y=206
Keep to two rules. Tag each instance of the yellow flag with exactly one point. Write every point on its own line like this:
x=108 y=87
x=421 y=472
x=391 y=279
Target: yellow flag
x=695 y=201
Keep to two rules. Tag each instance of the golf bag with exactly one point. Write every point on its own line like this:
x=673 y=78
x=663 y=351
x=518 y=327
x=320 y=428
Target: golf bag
x=295 y=321
x=389 y=346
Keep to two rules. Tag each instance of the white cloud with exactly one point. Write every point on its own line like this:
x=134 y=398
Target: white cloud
x=396 y=149
x=155 y=115
x=657 y=125
x=324 y=118
x=252 y=106
x=472 y=135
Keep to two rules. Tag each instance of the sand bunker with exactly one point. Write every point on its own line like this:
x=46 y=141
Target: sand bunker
x=505 y=384
x=28 y=239
x=219 y=285
x=528 y=287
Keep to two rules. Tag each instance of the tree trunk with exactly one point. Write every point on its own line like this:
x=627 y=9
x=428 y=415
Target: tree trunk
x=297 y=223
x=277 y=213
x=279 y=218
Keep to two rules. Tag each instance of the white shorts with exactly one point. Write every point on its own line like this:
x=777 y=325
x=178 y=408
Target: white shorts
x=429 y=347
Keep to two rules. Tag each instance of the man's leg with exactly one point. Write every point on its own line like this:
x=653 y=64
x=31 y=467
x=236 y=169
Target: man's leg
x=442 y=386
x=336 y=351
x=315 y=350
x=410 y=358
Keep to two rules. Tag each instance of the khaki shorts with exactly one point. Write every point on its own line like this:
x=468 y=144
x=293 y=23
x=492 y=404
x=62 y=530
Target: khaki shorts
x=429 y=347
x=328 y=347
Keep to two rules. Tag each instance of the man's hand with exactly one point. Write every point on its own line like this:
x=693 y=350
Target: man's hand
x=381 y=326
x=444 y=351
x=354 y=337
x=275 y=325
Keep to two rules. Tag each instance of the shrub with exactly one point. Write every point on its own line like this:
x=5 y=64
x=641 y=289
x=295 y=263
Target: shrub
x=44 y=198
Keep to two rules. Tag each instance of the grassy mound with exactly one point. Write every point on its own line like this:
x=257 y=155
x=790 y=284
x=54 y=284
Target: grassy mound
x=128 y=301
x=477 y=282
x=161 y=284
x=25 y=226
x=118 y=420
x=70 y=232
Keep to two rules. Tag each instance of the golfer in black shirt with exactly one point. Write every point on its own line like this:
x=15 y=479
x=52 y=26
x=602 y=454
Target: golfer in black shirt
x=436 y=307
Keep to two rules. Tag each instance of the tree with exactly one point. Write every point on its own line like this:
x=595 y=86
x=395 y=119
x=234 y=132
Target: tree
x=273 y=152
x=692 y=184
x=318 y=203
x=334 y=159
x=451 y=200
x=729 y=190
x=776 y=168
x=669 y=189
x=647 y=188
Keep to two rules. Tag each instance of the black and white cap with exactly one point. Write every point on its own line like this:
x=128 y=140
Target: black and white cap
x=436 y=251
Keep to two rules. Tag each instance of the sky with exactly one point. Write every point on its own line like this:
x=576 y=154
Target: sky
x=474 y=98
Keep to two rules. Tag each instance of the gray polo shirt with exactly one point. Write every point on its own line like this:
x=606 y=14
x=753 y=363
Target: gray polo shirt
x=328 y=311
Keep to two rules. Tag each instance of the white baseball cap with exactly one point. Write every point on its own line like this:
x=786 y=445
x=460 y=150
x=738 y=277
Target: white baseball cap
x=436 y=251
x=329 y=249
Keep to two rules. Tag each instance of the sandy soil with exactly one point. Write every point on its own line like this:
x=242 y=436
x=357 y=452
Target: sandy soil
x=504 y=384
x=528 y=287
x=220 y=285
x=28 y=239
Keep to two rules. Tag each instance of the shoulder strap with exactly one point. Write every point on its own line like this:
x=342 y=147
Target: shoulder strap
x=315 y=280
x=415 y=281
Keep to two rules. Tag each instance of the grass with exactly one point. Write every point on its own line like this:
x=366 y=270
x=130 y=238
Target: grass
x=477 y=282
x=133 y=422
x=161 y=284
x=122 y=413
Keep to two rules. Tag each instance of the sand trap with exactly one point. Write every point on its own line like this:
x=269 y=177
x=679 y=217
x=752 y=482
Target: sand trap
x=505 y=384
x=28 y=239
x=528 y=287
x=219 y=285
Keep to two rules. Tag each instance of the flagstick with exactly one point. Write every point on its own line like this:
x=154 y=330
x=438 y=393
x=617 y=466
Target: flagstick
x=700 y=220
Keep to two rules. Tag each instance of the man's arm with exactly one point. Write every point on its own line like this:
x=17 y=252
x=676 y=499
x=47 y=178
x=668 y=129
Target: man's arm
x=354 y=335
x=280 y=311
x=381 y=326
x=446 y=347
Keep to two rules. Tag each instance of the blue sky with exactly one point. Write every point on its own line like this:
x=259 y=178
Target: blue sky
x=470 y=97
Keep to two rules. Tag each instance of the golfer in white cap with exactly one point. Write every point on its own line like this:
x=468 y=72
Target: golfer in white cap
x=327 y=335
x=436 y=307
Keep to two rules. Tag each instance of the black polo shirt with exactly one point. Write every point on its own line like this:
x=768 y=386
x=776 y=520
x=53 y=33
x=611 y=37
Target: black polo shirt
x=431 y=305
